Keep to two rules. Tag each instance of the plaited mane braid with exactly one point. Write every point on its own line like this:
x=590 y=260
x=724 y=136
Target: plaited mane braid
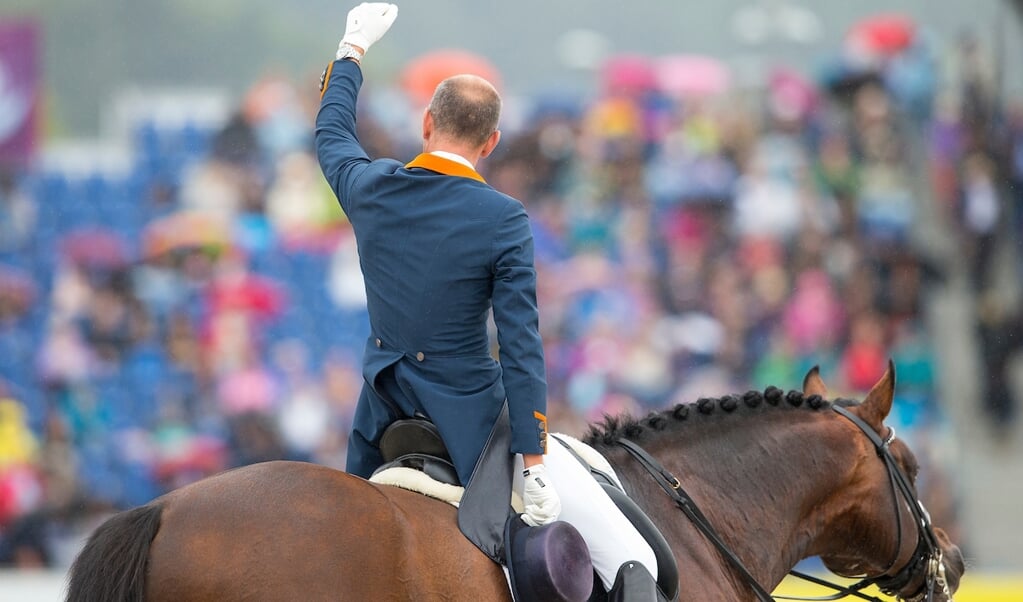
x=616 y=427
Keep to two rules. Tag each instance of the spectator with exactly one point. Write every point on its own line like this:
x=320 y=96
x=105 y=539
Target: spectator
x=982 y=210
x=17 y=214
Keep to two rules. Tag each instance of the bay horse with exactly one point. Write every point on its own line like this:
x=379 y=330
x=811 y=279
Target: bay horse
x=779 y=476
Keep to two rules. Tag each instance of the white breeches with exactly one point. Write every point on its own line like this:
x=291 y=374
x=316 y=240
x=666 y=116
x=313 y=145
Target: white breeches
x=610 y=537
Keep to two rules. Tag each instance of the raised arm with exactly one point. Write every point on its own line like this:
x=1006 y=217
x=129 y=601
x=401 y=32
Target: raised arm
x=341 y=156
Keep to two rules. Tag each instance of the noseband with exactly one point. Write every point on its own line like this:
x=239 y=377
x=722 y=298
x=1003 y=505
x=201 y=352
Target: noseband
x=927 y=556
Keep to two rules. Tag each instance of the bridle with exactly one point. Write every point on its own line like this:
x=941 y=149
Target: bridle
x=928 y=551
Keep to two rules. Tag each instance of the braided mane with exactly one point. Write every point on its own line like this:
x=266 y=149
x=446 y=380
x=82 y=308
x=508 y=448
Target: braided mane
x=617 y=427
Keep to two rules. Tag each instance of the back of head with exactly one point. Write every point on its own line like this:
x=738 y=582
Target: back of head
x=466 y=108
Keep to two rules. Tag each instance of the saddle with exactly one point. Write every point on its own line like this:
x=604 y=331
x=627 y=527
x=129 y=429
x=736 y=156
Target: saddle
x=415 y=443
x=412 y=449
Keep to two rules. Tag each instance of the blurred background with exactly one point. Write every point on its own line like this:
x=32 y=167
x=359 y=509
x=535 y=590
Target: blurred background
x=723 y=195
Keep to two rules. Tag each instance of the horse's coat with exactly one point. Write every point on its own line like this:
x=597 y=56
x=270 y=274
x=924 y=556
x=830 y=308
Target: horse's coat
x=779 y=478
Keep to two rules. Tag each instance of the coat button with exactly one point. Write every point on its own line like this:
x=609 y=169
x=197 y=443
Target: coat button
x=379 y=342
x=420 y=356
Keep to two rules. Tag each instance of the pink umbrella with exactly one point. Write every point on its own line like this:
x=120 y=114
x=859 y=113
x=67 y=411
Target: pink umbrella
x=814 y=312
x=689 y=75
x=628 y=73
x=95 y=248
x=247 y=390
x=791 y=94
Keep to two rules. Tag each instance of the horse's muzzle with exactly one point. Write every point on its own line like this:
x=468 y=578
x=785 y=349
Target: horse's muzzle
x=955 y=566
x=940 y=576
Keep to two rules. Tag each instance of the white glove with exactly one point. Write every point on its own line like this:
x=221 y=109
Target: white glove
x=540 y=500
x=368 y=22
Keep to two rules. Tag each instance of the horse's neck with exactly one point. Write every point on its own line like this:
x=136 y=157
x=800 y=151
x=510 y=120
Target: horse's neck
x=758 y=479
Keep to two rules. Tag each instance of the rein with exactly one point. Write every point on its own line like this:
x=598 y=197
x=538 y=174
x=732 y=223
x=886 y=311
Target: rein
x=927 y=548
x=671 y=485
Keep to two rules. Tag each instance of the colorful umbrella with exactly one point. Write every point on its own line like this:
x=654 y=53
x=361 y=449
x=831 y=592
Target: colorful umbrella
x=95 y=248
x=628 y=73
x=882 y=34
x=689 y=75
x=249 y=293
x=421 y=76
x=791 y=95
x=185 y=230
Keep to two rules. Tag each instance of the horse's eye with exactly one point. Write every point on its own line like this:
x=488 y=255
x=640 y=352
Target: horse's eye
x=911 y=466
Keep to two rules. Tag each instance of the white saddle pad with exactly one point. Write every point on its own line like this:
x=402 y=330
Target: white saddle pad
x=414 y=480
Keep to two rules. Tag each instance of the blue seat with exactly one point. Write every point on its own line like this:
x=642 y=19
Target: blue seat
x=111 y=398
x=139 y=486
x=195 y=139
x=146 y=139
x=17 y=353
x=96 y=472
x=146 y=376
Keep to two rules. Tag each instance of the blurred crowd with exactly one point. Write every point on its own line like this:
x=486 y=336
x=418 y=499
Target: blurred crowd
x=206 y=310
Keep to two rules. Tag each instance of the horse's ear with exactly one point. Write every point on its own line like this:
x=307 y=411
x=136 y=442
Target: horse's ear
x=878 y=403
x=813 y=384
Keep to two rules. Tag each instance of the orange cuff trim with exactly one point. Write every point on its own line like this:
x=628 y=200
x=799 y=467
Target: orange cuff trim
x=326 y=79
x=542 y=430
x=448 y=168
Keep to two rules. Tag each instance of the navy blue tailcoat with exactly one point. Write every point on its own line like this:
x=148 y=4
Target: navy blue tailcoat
x=439 y=248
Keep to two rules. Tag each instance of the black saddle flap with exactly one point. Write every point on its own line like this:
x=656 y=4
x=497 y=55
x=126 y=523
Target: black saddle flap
x=412 y=436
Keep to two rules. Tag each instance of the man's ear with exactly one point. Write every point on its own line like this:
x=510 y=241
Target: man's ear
x=427 y=124
x=491 y=143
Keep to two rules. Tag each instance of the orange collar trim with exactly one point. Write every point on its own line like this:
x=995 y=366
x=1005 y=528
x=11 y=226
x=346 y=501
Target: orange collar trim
x=444 y=166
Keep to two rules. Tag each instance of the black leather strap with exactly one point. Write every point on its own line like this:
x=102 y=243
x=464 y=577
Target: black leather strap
x=900 y=479
x=927 y=543
x=843 y=591
x=671 y=485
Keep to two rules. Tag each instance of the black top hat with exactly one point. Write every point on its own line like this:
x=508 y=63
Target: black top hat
x=548 y=563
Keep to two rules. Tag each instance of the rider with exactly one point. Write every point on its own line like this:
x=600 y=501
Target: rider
x=439 y=248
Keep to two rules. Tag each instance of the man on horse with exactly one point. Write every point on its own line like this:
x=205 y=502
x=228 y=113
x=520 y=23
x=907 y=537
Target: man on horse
x=440 y=248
